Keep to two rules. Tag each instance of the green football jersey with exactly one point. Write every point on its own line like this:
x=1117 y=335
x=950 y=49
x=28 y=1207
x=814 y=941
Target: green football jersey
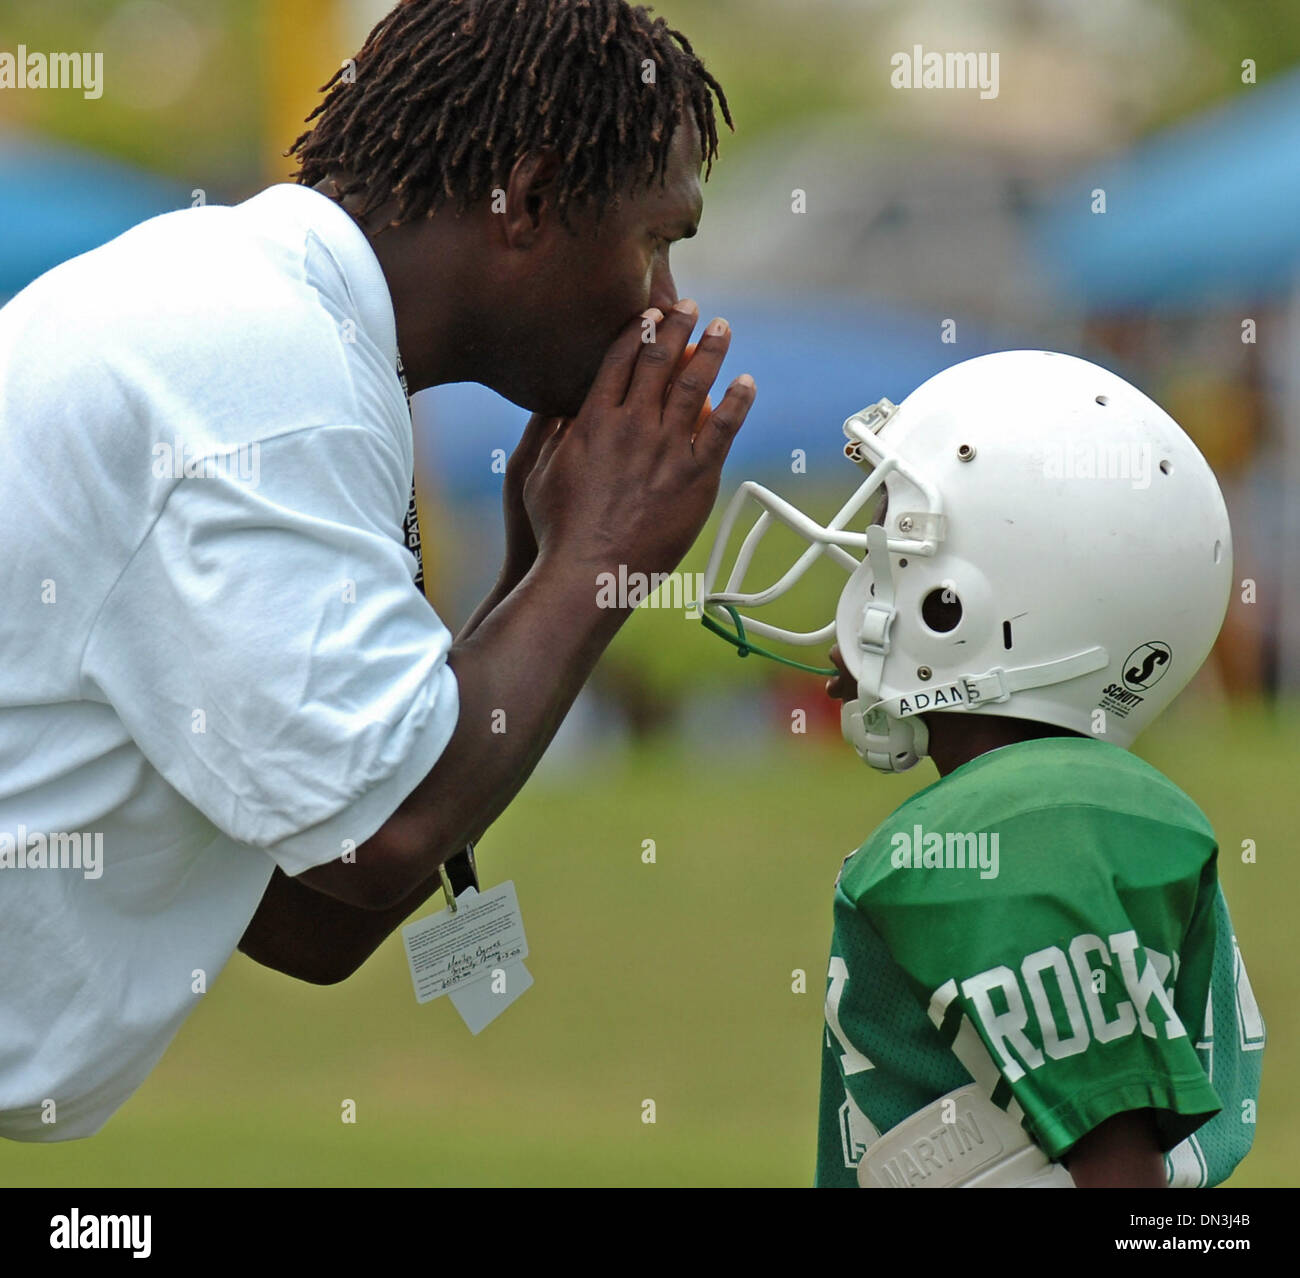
x=1046 y=922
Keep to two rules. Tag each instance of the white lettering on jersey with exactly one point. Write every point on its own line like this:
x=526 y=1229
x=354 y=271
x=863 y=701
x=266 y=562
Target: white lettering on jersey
x=1125 y=1019
x=1004 y=1029
x=1250 y=1024
x=852 y=1061
x=1053 y=959
x=1013 y=1025
x=1186 y=1166
x=857 y=1132
x=1150 y=984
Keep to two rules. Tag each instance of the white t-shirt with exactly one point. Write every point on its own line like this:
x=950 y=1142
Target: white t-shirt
x=213 y=659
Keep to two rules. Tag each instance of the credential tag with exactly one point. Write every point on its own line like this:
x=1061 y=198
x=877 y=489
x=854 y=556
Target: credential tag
x=475 y=955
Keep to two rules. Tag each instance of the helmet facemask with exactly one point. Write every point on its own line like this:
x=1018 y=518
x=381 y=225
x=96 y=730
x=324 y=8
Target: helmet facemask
x=862 y=626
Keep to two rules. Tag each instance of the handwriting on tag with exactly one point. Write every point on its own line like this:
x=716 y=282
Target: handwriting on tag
x=448 y=951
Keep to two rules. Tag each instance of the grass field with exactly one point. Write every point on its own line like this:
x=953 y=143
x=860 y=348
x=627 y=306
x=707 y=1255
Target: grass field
x=669 y=982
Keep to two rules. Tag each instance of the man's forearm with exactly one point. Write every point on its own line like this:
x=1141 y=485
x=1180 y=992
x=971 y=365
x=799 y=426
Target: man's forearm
x=510 y=577
x=519 y=673
x=317 y=938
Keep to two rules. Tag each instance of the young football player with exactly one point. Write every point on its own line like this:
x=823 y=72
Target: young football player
x=1034 y=979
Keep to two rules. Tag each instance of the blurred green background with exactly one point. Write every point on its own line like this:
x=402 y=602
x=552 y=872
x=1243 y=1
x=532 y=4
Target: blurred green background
x=669 y=982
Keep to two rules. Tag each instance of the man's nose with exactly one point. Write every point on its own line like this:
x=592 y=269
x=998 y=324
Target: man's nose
x=663 y=290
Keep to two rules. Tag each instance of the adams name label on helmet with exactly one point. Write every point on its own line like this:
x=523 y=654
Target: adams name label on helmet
x=962 y=693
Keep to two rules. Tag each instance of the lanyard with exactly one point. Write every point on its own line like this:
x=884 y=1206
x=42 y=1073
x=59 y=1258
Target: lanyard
x=412 y=513
x=461 y=871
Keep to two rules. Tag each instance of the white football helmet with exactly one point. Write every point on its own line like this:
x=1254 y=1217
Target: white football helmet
x=1053 y=548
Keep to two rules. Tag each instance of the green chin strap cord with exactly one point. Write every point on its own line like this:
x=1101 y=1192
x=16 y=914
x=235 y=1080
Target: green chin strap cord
x=744 y=647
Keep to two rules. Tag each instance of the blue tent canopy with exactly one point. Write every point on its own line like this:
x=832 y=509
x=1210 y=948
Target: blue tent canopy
x=57 y=202
x=1207 y=211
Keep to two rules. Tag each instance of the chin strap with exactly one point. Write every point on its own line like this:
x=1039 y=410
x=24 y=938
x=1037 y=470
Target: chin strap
x=877 y=615
x=886 y=744
x=892 y=737
x=968 y=692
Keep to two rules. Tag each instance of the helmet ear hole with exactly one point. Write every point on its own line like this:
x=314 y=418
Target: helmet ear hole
x=941 y=610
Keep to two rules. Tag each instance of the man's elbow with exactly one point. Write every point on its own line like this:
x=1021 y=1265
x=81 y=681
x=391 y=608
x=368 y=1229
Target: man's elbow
x=314 y=967
x=380 y=874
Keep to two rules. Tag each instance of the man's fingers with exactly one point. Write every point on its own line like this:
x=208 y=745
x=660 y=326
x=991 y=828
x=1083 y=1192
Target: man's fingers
x=687 y=355
x=527 y=451
x=554 y=432
x=611 y=385
x=713 y=443
x=658 y=360
x=690 y=388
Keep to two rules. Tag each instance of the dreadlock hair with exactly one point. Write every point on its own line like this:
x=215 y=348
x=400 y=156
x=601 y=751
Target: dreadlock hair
x=446 y=95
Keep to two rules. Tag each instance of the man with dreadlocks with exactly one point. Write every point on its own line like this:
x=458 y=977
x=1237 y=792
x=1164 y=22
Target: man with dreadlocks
x=228 y=716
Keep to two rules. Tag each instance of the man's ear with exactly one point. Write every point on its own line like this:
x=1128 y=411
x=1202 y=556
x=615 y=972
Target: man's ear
x=529 y=198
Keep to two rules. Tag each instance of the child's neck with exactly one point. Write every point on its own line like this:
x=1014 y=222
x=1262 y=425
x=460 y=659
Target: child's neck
x=956 y=738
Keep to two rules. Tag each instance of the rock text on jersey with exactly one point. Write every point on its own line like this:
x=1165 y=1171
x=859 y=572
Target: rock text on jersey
x=1061 y=1001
